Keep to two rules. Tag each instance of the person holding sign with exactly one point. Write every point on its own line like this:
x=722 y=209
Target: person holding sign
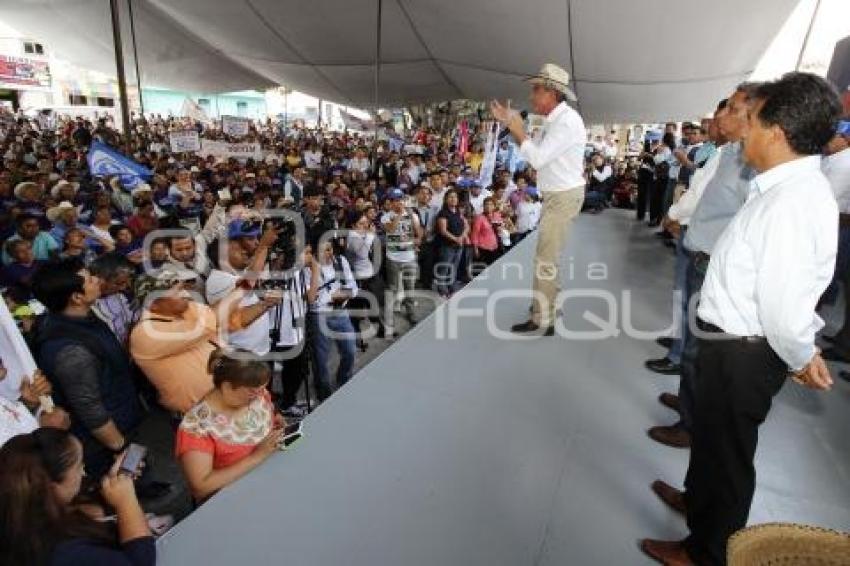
x=25 y=402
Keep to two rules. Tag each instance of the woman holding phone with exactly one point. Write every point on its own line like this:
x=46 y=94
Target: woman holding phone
x=232 y=430
x=40 y=476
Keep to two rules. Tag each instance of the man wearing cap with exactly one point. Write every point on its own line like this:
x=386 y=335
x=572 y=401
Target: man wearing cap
x=246 y=312
x=477 y=195
x=558 y=157
x=404 y=234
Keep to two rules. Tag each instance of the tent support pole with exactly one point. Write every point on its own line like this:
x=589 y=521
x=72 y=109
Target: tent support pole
x=136 y=56
x=808 y=34
x=380 y=6
x=119 y=68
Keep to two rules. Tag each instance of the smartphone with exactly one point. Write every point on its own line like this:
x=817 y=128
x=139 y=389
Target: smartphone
x=291 y=434
x=132 y=462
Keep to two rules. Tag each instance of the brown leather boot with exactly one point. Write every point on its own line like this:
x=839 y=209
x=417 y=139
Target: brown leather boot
x=674 y=436
x=667 y=552
x=674 y=498
x=671 y=402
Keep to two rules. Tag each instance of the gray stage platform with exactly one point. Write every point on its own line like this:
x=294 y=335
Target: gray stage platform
x=476 y=451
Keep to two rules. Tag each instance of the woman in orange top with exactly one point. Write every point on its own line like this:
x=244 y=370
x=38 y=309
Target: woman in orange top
x=232 y=430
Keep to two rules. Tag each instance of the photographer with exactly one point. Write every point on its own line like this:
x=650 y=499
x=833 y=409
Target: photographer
x=328 y=320
x=246 y=313
x=289 y=333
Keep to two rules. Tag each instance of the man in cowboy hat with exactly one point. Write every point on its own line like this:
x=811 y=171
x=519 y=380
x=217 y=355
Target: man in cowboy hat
x=558 y=157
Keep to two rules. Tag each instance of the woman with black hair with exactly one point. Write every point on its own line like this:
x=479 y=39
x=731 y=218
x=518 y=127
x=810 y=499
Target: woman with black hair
x=452 y=232
x=40 y=477
x=232 y=430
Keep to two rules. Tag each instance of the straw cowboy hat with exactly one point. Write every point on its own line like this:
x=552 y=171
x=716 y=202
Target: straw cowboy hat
x=21 y=187
x=788 y=543
x=554 y=77
x=54 y=192
x=141 y=188
x=54 y=212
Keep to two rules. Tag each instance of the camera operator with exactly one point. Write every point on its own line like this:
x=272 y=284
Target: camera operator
x=289 y=332
x=328 y=320
x=248 y=321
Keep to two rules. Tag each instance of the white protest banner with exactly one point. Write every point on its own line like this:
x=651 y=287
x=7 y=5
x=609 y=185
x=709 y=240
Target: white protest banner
x=15 y=354
x=488 y=165
x=235 y=126
x=226 y=150
x=193 y=110
x=184 y=140
x=352 y=122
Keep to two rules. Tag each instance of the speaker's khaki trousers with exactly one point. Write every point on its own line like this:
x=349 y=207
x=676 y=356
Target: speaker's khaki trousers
x=559 y=209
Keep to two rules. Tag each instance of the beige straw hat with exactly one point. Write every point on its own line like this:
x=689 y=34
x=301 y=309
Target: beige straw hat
x=787 y=544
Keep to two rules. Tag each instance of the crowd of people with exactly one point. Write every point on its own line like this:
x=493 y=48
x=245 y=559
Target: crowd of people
x=160 y=295
x=215 y=291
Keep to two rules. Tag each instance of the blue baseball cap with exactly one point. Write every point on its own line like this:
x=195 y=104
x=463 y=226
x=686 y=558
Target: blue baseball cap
x=395 y=194
x=243 y=229
x=843 y=128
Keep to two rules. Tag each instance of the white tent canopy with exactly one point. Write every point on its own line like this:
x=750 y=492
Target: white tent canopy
x=631 y=61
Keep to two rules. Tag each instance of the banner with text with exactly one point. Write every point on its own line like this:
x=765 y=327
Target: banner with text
x=184 y=140
x=235 y=126
x=225 y=150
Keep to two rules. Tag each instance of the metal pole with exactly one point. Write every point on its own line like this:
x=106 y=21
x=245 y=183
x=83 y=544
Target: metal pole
x=377 y=72
x=806 y=39
x=119 y=69
x=136 y=56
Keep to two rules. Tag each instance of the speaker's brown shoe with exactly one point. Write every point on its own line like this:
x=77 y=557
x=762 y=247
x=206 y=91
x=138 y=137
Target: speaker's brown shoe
x=673 y=436
x=674 y=498
x=667 y=552
x=671 y=402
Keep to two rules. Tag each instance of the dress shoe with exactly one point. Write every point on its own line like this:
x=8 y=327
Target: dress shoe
x=663 y=366
x=667 y=552
x=671 y=402
x=665 y=341
x=673 y=436
x=529 y=327
x=674 y=498
x=833 y=355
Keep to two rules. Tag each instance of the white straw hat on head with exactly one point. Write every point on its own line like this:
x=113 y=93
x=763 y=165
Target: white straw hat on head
x=54 y=211
x=21 y=187
x=553 y=76
x=54 y=192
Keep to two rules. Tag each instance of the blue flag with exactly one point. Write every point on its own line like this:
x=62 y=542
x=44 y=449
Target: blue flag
x=106 y=162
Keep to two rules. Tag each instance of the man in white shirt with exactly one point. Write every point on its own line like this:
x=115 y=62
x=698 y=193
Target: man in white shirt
x=757 y=309
x=328 y=321
x=247 y=312
x=313 y=158
x=558 y=157
x=477 y=196
x=438 y=188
